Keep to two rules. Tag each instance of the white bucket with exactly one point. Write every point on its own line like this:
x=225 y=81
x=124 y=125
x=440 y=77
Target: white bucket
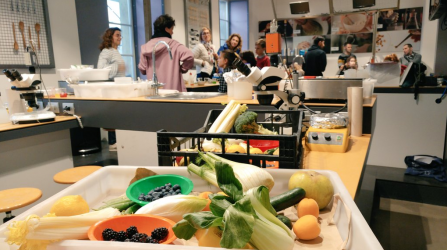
x=230 y=89
x=242 y=90
x=368 y=87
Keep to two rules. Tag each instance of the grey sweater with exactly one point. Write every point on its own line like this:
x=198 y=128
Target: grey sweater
x=111 y=58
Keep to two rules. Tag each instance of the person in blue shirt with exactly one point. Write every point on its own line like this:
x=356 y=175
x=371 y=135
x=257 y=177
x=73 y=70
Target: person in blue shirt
x=234 y=43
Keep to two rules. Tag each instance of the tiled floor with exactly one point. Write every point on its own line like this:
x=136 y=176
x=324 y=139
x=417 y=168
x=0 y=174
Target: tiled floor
x=410 y=225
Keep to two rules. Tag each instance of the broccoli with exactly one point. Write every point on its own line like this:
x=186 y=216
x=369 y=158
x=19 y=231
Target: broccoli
x=246 y=124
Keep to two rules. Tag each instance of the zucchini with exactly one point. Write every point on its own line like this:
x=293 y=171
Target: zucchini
x=285 y=220
x=287 y=199
x=270 y=151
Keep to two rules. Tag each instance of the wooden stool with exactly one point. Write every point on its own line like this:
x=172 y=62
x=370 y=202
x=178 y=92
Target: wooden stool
x=11 y=199
x=72 y=175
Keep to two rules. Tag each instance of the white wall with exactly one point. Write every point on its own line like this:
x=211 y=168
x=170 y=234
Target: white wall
x=64 y=32
x=429 y=31
x=176 y=9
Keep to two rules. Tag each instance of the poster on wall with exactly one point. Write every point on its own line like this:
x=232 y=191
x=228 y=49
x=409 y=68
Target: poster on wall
x=352 y=23
x=196 y=17
x=395 y=29
x=361 y=42
x=22 y=22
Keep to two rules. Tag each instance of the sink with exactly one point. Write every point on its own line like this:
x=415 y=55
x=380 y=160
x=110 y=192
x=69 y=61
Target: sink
x=185 y=95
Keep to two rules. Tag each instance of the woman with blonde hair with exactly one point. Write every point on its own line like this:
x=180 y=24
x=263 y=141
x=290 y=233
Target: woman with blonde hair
x=234 y=43
x=205 y=54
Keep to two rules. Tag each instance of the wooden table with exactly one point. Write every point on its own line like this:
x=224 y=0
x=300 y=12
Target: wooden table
x=349 y=165
x=208 y=87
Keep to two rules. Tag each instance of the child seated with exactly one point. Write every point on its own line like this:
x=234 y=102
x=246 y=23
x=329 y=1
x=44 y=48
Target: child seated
x=225 y=61
x=262 y=60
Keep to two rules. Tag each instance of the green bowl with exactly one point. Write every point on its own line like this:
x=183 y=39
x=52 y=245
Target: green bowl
x=147 y=184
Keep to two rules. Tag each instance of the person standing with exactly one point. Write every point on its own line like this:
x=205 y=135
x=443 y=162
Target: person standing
x=410 y=55
x=262 y=59
x=315 y=59
x=204 y=54
x=110 y=56
x=343 y=62
x=248 y=57
x=169 y=72
x=234 y=43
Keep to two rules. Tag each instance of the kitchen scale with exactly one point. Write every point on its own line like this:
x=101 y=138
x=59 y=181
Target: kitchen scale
x=328 y=133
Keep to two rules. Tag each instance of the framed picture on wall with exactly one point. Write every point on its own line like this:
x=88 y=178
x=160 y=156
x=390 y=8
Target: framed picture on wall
x=25 y=24
x=196 y=17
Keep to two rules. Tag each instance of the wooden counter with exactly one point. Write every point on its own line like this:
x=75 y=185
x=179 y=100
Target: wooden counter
x=8 y=131
x=218 y=100
x=208 y=87
x=349 y=165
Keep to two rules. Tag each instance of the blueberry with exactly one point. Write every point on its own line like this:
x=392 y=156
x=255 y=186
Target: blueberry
x=168 y=184
x=176 y=186
x=178 y=191
x=157 y=189
x=151 y=192
x=141 y=199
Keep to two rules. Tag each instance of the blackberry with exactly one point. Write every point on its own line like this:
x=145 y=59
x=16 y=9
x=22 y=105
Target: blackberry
x=121 y=236
x=139 y=237
x=108 y=234
x=159 y=233
x=131 y=231
x=151 y=240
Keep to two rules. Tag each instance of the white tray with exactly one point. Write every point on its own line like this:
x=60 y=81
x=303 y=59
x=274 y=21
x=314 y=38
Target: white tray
x=112 y=181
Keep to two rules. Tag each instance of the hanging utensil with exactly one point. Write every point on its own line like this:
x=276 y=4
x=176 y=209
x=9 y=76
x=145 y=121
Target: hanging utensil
x=12 y=5
x=27 y=6
x=17 y=6
x=16 y=45
x=34 y=6
x=29 y=33
x=22 y=30
x=37 y=27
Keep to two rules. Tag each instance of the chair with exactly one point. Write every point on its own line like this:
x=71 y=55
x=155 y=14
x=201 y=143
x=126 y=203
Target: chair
x=12 y=199
x=73 y=175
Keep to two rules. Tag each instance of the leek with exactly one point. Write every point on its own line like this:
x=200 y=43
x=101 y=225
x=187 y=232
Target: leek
x=174 y=207
x=222 y=116
x=249 y=175
x=35 y=233
x=248 y=218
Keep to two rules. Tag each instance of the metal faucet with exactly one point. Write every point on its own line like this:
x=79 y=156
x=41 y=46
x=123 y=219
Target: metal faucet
x=155 y=84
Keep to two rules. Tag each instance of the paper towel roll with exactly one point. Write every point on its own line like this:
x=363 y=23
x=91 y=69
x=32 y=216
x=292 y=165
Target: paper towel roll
x=355 y=101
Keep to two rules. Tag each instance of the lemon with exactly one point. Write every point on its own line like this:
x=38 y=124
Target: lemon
x=255 y=151
x=70 y=205
x=235 y=149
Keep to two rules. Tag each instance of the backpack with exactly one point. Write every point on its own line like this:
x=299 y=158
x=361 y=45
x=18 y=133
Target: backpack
x=427 y=166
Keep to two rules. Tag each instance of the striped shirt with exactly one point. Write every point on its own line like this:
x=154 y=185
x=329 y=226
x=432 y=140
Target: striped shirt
x=112 y=58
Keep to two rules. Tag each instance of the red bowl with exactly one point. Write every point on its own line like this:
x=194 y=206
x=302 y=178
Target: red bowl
x=264 y=144
x=145 y=224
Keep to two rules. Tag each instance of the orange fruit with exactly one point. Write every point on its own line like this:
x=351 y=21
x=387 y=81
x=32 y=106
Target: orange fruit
x=308 y=206
x=204 y=195
x=307 y=228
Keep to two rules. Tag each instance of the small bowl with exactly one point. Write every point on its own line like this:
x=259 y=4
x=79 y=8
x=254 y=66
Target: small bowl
x=201 y=83
x=145 y=223
x=147 y=184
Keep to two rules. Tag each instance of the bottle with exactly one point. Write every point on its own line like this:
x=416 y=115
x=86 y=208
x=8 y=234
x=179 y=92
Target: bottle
x=412 y=20
x=190 y=79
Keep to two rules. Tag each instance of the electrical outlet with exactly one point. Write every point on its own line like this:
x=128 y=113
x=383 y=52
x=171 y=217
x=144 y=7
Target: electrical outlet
x=68 y=108
x=54 y=107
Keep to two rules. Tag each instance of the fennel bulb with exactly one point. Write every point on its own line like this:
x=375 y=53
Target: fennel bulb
x=174 y=207
x=249 y=175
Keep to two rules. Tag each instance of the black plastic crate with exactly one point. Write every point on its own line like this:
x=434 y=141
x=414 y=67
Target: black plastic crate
x=290 y=148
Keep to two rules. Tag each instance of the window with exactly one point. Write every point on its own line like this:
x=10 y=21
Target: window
x=120 y=16
x=224 y=21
